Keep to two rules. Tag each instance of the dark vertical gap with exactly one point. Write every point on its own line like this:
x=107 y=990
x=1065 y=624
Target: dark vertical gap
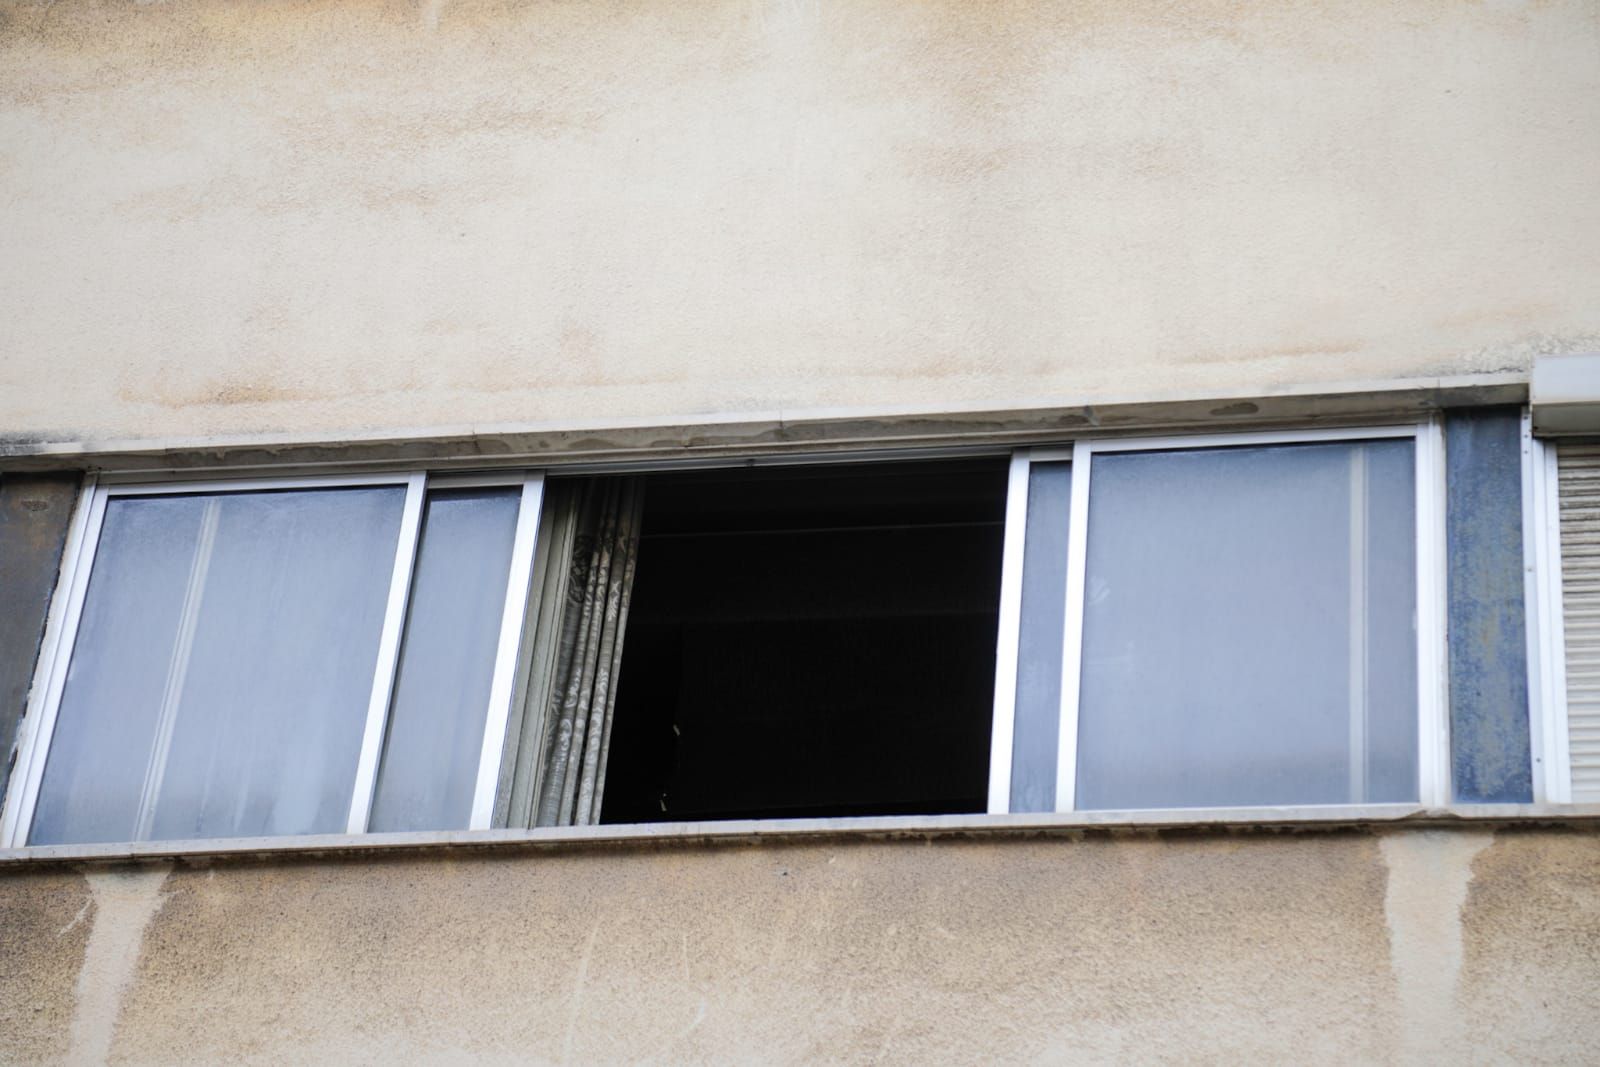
x=810 y=642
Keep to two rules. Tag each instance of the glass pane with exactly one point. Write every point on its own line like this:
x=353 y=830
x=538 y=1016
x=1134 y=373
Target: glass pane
x=430 y=758
x=222 y=668
x=1044 y=603
x=1249 y=628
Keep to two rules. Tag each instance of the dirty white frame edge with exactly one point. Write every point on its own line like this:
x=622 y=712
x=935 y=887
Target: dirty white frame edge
x=66 y=608
x=1433 y=611
x=505 y=659
x=1433 y=753
x=1547 y=668
x=1003 y=723
x=1007 y=652
x=381 y=694
x=38 y=723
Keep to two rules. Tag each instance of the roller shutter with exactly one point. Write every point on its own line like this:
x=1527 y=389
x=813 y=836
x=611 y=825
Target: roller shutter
x=1579 y=467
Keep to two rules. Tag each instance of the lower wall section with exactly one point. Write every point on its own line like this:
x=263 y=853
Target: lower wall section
x=1405 y=945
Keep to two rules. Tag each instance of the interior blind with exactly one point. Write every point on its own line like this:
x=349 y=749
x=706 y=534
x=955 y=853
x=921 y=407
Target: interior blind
x=1579 y=466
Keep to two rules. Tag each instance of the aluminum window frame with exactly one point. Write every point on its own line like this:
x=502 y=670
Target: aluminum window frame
x=82 y=541
x=1548 y=729
x=66 y=610
x=1433 y=752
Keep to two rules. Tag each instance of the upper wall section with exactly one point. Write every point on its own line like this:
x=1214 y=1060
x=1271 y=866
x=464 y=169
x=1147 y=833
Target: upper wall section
x=231 y=217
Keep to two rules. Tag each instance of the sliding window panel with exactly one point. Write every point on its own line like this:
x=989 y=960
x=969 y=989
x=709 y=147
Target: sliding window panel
x=1039 y=638
x=1249 y=628
x=435 y=737
x=222 y=666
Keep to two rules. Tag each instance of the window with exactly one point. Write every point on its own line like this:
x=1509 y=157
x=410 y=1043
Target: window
x=1186 y=622
x=239 y=660
x=1221 y=622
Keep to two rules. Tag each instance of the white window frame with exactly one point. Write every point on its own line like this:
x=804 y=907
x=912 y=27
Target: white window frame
x=1433 y=753
x=66 y=611
x=1548 y=730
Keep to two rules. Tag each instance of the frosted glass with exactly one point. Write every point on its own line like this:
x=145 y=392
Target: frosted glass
x=222 y=668
x=1044 y=600
x=435 y=735
x=1249 y=628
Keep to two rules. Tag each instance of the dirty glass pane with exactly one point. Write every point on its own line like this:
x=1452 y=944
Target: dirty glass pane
x=435 y=736
x=223 y=663
x=1044 y=601
x=1249 y=628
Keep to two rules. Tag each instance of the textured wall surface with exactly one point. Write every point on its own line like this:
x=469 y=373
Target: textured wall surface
x=239 y=216
x=1403 y=946
x=1489 y=734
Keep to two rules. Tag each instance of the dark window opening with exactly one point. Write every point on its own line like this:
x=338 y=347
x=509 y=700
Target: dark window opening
x=810 y=642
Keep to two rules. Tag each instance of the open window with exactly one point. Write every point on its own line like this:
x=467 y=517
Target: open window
x=1249 y=620
x=810 y=641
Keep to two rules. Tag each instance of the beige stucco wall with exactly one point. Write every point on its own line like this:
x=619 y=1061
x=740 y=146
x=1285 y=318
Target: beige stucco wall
x=308 y=218
x=1439 y=946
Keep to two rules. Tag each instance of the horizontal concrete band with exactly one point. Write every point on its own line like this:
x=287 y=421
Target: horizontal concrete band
x=1584 y=817
x=710 y=438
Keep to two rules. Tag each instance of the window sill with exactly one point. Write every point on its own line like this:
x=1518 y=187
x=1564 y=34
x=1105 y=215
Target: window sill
x=923 y=827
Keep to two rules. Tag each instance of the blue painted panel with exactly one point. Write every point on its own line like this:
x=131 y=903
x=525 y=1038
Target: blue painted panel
x=1490 y=754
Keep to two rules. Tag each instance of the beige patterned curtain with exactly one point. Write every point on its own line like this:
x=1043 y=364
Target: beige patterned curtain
x=555 y=767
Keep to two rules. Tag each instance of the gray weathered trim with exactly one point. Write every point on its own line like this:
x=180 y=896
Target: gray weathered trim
x=35 y=514
x=714 y=437
x=1565 y=394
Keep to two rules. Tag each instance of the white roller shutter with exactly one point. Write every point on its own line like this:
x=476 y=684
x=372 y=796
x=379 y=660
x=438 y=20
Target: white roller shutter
x=1579 y=477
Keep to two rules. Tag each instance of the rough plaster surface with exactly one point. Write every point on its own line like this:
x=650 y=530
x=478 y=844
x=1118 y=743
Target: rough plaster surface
x=223 y=216
x=45 y=920
x=1342 y=947
x=1530 y=981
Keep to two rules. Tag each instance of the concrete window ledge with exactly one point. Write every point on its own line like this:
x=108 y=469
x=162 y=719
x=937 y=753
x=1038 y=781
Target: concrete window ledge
x=1585 y=817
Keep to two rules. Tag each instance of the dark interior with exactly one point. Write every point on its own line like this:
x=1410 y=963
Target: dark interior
x=810 y=641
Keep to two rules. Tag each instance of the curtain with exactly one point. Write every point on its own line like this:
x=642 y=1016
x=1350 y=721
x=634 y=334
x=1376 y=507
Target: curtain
x=554 y=773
